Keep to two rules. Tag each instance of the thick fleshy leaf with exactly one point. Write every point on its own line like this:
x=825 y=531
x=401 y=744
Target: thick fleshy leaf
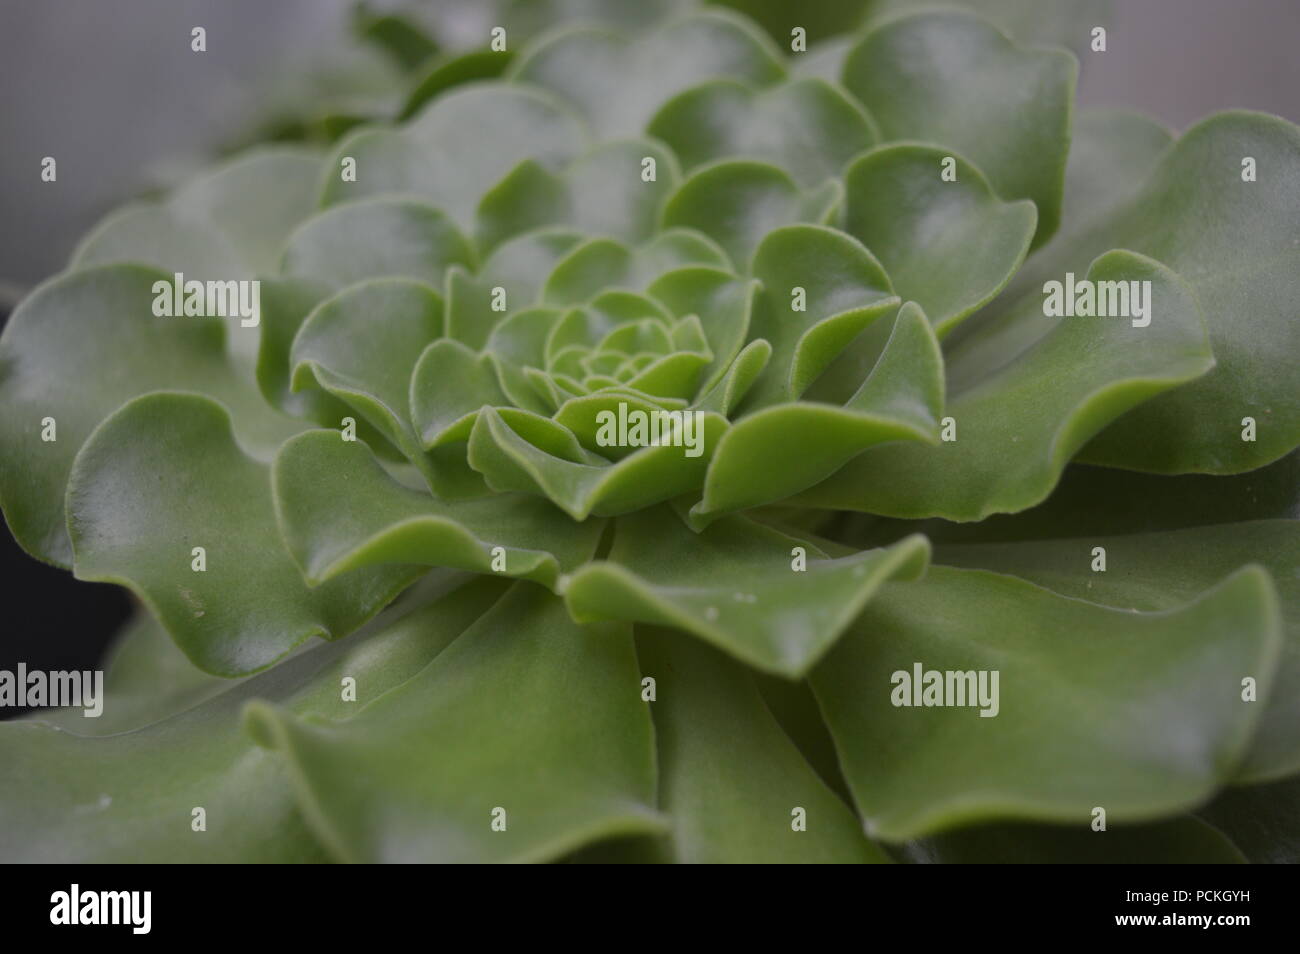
x=948 y=245
x=147 y=678
x=724 y=304
x=465 y=24
x=820 y=289
x=448 y=386
x=619 y=84
x=604 y=192
x=286 y=304
x=736 y=585
x=732 y=782
x=72 y=353
x=516 y=343
x=507 y=273
x=786 y=448
x=737 y=202
x=1112 y=152
x=582 y=416
x=445 y=71
x=164 y=476
x=519 y=268
x=1067 y=23
x=376 y=238
x=1136 y=713
x=795 y=707
x=226 y=225
x=737 y=378
x=1092 y=500
x=333 y=90
x=399 y=36
x=824 y=60
x=807 y=127
x=1237 y=244
x=151 y=234
x=130 y=797
x=1016 y=430
x=255 y=201
x=440 y=769
x=1159 y=571
x=458 y=148
x=610 y=194
x=362 y=345
x=1184 y=841
x=339 y=511
x=601 y=265
x=517 y=451
x=818 y=18
x=675 y=248
x=953 y=78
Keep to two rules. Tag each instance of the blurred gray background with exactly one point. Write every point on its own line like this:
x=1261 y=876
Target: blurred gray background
x=112 y=90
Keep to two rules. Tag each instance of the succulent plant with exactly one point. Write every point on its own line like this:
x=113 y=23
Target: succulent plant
x=668 y=438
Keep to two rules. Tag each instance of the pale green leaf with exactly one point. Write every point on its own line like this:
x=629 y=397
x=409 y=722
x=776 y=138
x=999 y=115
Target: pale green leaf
x=737 y=585
x=1136 y=713
x=163 y=476
x=422 y=772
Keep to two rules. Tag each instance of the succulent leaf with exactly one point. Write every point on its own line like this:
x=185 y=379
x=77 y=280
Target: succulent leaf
x=1074 y=666
x=633 y=408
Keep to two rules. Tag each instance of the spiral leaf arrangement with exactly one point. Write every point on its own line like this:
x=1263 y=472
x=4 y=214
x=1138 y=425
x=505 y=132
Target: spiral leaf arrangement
x=826 y=271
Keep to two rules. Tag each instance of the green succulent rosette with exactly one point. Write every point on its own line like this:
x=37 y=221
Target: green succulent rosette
x=826 y=270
